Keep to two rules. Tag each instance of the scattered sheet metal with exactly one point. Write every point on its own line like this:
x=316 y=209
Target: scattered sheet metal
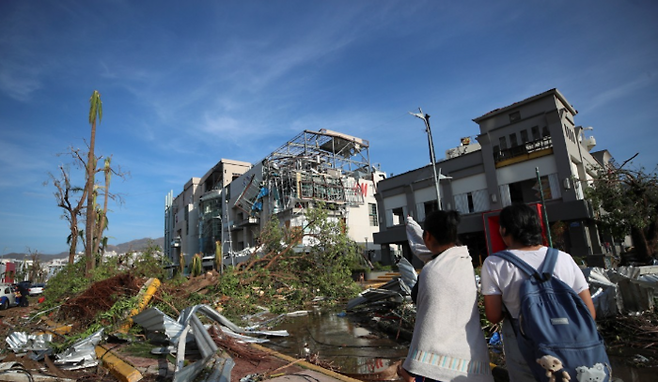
x=205 y=344
x=182 y=372
x=221 y=369
x=9 y=365
x=15 y=371
x=188 y=328
x=22 y=342
x=624 y=290
x=243 y=338
x=214 y=315
x=635 y=296
x=407 y=272
x=605 y=294
x=395 y=289
x=154 y=320
x=81 y=354
x=221 y=366
x=39 y=355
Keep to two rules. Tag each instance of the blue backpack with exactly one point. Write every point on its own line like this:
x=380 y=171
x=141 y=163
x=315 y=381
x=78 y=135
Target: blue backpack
x=555 y=330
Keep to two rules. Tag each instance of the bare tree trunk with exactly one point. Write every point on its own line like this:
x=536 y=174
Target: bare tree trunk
x=73 y=246
x=103 y=218
x=95 y=109
x=641 y=245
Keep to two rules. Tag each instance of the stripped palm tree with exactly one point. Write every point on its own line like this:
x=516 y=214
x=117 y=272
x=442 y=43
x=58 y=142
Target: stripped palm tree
x=95 y=112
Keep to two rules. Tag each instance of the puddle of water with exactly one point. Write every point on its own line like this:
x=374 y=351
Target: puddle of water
x=358 y=351
x=627 y=373
x=336 y=339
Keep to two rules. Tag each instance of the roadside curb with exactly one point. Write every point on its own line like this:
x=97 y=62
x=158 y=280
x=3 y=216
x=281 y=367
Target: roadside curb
x=120 y=369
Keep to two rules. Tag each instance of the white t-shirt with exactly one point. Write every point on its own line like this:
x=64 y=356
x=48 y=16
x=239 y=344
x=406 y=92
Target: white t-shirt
x=500 y=277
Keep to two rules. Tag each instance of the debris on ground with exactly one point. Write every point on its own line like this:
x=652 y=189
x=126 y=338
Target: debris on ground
x=147 y=344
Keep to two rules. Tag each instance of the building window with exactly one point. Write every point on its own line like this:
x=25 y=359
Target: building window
x=545 y=132
x=503 y=143
x=187 y=221
x=512 y=140
x=398 y=216
x=469 y=198
x=372 y=214
x=528 y=191
x=524 y=136
x=470 y=202
x=395 y=216
x=431 y=206
x=513 y=117
x=535 y=133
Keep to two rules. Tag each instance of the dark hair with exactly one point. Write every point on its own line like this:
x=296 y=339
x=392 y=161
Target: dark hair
x=522 y=223
x=443 y=226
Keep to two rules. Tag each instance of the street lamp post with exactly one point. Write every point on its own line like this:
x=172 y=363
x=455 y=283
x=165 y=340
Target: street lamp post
x=426 y=119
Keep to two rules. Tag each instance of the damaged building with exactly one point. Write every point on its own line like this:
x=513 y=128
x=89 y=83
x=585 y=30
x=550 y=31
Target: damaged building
x=522 y=150
x=226 y=209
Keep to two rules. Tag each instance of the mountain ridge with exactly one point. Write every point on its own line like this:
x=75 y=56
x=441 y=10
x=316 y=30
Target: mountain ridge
x=133 y=245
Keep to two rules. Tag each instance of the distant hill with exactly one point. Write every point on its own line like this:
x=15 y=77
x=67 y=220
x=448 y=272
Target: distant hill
x=135 y=245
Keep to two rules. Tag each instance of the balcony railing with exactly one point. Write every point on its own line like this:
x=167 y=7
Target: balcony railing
x=524 y=149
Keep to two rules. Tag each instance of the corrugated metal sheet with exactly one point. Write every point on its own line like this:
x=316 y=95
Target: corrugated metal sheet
x=81 y=354
x=625 y=290
x=154 y=320
x=189 y=327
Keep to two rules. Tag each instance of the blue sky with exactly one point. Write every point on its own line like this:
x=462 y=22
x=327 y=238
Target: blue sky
x=185 y=84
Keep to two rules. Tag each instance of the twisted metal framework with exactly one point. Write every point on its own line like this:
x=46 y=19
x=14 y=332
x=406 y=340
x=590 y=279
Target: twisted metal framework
x=315 y=165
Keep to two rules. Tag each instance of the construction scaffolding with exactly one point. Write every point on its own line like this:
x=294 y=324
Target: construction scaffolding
x=313 y=166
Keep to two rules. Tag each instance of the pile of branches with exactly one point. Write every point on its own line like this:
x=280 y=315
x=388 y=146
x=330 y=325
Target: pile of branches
x=99 y=297
x=637 y=332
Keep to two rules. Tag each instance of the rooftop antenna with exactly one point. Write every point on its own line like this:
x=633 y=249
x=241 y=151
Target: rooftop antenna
x=426 y=119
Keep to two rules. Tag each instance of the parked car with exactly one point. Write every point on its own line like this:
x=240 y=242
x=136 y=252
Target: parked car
x=36 y=289
x=7 y=296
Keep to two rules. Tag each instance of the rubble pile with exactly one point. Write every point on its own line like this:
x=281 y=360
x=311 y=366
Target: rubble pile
x=199 y=343
x=190 y=338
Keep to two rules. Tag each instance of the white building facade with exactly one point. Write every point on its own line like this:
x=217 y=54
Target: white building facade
x=530 y=147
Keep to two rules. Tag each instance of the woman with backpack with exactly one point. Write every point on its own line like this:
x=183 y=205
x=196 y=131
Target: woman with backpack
x=501 y=281
x=448 y=343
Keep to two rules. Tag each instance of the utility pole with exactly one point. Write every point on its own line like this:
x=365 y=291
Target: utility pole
x=543 y=206
x=228 y=231
x=426 y=119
